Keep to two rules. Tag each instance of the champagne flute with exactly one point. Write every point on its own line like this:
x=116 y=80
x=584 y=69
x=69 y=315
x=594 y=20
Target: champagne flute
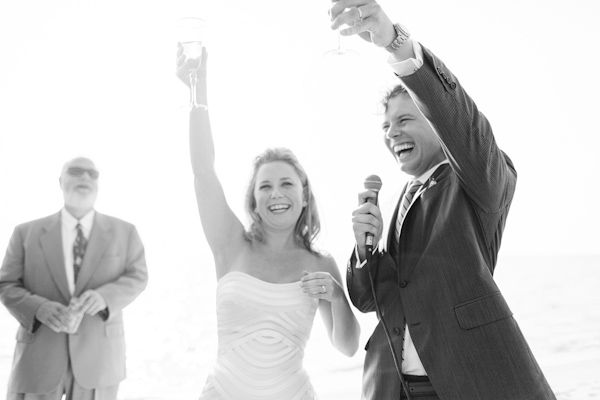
x=341 y=53
x=191 y=35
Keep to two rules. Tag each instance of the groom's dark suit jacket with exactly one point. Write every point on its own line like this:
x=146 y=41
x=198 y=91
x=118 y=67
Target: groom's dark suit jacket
x=441 y=282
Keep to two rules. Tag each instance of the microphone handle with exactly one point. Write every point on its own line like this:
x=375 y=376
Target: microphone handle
x=368 y=235
x=369 y=242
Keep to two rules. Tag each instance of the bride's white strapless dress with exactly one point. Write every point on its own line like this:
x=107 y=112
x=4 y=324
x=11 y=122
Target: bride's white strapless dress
x=263 y=328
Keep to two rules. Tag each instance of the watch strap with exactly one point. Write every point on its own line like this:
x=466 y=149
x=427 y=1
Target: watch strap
x=402 y=36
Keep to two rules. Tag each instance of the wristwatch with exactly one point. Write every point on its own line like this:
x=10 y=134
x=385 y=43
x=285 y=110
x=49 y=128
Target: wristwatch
x=401 y=38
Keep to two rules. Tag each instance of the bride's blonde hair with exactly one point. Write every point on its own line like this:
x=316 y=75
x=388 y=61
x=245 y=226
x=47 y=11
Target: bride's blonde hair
x=308 y=224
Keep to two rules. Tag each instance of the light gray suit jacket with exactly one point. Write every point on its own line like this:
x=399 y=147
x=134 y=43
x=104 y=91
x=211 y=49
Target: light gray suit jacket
x=440 y=278
x=33 y=272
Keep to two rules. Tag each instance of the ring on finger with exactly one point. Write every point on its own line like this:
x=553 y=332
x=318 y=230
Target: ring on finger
x=360 y=15
x=323 y=289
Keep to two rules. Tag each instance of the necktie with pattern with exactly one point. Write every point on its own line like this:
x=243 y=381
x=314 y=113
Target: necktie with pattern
x=406 y=200
x=78 y=250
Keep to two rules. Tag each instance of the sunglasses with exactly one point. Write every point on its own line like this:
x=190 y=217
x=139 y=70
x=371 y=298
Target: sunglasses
x=76 y=171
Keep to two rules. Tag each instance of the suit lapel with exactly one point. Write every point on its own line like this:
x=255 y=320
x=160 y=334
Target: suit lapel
x=391 y=230
x=51 y=242
x=97 y=244
x=440 y=174
x=407 y=270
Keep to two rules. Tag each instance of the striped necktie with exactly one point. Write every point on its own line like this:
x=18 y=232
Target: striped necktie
x=78 y=250
x=406 y=200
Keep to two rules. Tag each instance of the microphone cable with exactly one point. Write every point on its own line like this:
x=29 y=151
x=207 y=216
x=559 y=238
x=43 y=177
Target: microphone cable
x=385 y=329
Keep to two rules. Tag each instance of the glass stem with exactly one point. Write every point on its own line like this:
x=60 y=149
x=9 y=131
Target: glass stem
x=193 y=82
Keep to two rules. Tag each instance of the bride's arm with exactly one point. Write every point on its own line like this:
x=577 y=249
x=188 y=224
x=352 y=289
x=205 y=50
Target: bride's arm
x=221 y=226
x=341 y=324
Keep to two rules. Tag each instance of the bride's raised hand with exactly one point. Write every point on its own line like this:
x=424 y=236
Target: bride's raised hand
x=185 y=67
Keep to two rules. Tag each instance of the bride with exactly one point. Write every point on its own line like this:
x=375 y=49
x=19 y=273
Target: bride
x=270 y=278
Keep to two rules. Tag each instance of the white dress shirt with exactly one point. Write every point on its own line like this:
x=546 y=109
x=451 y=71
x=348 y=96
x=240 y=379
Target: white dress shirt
x=411 y=364
x=408 y=66
x=69 y=234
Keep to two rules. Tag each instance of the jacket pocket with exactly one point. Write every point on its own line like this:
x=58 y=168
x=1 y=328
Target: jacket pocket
x=482 y=311
x=114 y=330
x=24 y=336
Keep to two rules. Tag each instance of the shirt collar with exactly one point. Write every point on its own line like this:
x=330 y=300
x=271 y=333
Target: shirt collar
x=423 y=178
x=71 y=222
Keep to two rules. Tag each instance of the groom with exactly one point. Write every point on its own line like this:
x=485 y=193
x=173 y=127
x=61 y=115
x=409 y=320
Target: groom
x=74 y=263
x=448 y=331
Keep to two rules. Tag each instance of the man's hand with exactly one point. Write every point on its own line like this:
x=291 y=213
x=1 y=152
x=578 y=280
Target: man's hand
x=366 y=218
x=90 y=302
x=53 y=314
x=371 y=23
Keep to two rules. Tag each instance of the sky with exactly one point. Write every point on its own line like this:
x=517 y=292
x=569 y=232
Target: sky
x=97 y=79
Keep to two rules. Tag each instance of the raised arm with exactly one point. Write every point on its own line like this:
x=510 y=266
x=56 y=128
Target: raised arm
x=486 y=173
x=223 y=230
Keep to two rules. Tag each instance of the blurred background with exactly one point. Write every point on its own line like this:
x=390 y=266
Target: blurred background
x=97 y=79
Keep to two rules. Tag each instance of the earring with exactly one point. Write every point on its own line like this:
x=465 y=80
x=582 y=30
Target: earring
x=304 y=203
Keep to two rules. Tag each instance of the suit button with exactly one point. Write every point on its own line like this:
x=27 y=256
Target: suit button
x=403 y=284
x=397 y=331
x=453 y=85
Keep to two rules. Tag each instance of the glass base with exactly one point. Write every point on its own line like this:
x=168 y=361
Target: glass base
x=340 y=55
x=190 y=107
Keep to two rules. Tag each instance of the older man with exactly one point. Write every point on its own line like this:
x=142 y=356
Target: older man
x=66 y=278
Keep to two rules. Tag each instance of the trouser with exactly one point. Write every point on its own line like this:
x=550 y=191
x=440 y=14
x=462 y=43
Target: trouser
x=69 y=388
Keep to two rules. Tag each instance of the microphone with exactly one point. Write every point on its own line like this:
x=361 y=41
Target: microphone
x=373 y=182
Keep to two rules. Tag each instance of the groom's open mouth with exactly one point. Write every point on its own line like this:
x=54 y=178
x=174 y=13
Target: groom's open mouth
x=403 y=150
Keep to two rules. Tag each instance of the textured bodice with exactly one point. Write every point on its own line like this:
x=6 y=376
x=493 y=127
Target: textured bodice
x=262 y=330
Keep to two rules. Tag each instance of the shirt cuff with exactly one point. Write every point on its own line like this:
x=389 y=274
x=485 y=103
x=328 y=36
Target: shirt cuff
x=362 y=264
x=410 y=65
